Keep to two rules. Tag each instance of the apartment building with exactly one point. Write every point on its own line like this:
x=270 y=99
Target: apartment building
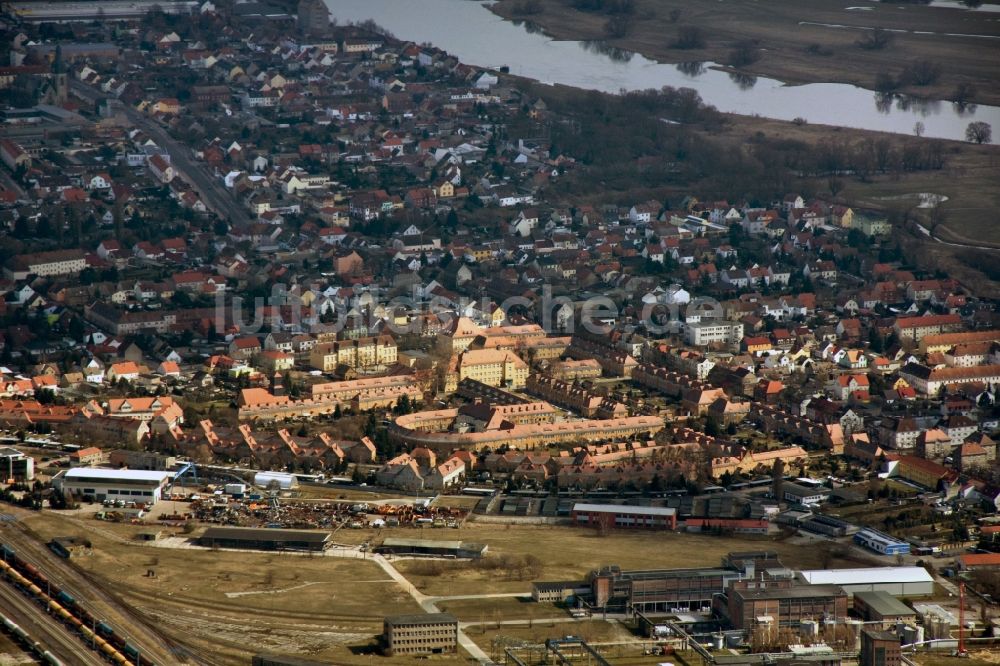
x=930 y=381
x=713 y=331
x=55 y=262
x=358 y=354
x=917 y=328
x=494 y=367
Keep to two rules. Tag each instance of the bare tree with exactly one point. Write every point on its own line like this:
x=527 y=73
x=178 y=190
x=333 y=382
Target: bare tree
x=979 y=132
x=876 y=40
x=918 y=129
x=963 y=93
x=689 y=38
x=744 y=53
x=836 y=185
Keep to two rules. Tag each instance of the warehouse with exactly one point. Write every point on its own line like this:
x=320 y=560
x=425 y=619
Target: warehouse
x=897 y=581
x=265 y=539
x=881 y=543
x=432 y=548
x=882 y=607
x=425 y=633
x=127 y=485
x=617 y=515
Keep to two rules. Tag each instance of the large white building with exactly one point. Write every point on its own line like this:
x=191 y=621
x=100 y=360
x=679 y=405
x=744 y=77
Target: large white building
x=898 y=581
x=713 y=331
x=129 y=485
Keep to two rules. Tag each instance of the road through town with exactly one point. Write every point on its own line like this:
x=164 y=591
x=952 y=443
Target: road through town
x=211 y=189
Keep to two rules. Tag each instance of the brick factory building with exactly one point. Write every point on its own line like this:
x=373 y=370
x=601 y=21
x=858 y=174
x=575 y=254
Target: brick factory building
x=620 y=516
x=785 y=604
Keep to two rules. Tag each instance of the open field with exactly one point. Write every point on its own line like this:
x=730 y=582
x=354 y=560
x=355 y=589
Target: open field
x=785 y=30
x=976 y=658
x=488 y=610
x=212 y=600
x=569 y=553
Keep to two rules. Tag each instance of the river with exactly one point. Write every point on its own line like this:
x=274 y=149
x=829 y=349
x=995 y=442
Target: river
x=477 y=36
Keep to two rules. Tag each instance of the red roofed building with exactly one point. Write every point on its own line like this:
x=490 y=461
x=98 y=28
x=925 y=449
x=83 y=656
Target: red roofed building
x=973 y=561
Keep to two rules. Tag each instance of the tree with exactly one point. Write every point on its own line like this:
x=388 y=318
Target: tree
x=876 y=40
x=918 y=129
x=922 y=72
x=979 y=132
x=885 y=82
x=689 y=38
x=963 y=93
x=617 y=27
x=836 y=185
x=744 y=53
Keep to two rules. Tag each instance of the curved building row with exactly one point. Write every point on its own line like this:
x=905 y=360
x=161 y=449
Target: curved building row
x=433 y=429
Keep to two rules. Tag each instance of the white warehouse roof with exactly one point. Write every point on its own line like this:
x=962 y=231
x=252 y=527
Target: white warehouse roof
x=626 y=509
x=117 y=474
x=867 y=576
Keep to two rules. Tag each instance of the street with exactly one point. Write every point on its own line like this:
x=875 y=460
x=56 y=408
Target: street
x=213 y=193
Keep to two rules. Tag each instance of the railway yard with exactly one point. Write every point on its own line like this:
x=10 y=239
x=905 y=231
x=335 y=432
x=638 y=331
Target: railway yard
x=149 y=577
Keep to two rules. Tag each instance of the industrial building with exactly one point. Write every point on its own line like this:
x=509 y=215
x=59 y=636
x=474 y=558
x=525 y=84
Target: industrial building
x=558 y=591
x=883 y=608
x=784 y=605
x=427 y=633
x=264 y=539
x=616 y=515
x=15 y=466
x=127 y=485
x=142 y=460
x=897 y=581
x=432 y=548
x=665 y=590
x=881 y=543
x=879 y=648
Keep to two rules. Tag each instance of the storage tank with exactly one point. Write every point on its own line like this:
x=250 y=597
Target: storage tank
x=283 y=481
x=912 y=634
x=855 y=627
x=809 y=628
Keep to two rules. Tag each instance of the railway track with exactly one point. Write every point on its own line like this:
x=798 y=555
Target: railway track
x=45 y=629
x=99 y=601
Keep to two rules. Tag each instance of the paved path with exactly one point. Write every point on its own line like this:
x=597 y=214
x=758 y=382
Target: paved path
x=428 y=605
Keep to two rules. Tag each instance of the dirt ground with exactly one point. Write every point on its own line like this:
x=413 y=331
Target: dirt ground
x=785 y=29
x=569 y=553
x=331 y=609
x=317 y=607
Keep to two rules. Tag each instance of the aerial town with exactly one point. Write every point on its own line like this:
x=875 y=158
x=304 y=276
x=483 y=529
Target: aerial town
x=323 y=346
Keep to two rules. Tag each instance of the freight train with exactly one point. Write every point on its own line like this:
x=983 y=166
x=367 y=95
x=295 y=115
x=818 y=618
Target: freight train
x=25 y=639
x=100 y=636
